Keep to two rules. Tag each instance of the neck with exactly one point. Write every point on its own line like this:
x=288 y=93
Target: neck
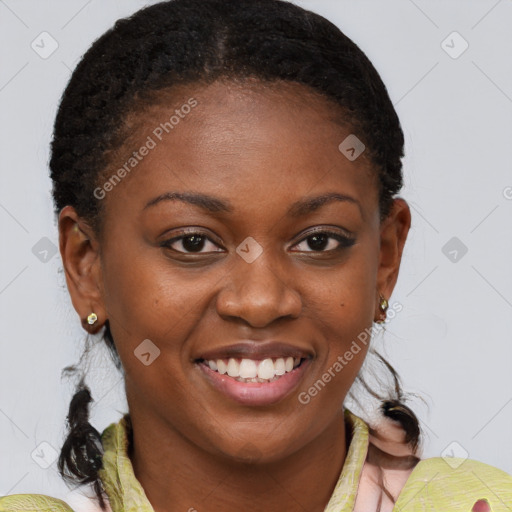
x=178 y=475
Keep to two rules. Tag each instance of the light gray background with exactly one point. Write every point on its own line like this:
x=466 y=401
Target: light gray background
x=452 y=341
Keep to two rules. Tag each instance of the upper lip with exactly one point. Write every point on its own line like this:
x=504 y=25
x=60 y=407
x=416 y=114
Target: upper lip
x=255 y=350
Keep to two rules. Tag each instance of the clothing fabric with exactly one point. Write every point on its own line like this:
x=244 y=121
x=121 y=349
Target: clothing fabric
x=374 y=456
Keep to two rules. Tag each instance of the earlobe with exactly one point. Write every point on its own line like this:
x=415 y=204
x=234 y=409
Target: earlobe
x=80 y=258
x=382 y=307
x=393 y=234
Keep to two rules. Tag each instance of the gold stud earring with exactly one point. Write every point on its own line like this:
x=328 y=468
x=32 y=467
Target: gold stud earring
x=92 y=318
x=383 y=306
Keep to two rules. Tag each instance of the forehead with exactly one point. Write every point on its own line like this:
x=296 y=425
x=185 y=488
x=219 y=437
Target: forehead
x=244 y=140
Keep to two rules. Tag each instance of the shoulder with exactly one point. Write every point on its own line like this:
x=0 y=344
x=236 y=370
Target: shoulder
x=455 y=484
x=33 y=503
x=76 y=501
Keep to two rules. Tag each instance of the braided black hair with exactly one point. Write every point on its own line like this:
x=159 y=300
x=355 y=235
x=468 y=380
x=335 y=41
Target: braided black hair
x=192 y=41
x=81 y=454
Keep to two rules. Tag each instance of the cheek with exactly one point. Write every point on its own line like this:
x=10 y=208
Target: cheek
x=149 y=300
x=142 y=305
x=346 y=296
x=344 y=308
x=141 y=290
x=151 y=315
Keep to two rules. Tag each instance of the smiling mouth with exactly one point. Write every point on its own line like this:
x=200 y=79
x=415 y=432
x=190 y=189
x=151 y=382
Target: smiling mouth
x=253 y=370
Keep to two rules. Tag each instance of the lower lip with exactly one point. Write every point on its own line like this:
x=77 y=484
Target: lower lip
x=255 y=393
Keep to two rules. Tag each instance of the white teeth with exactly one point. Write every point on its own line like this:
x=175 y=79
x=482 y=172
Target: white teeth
x=248 y=369
x=266 y=369
x=222 y=367
x=233 y=368
x=254 y=370
x=280 y=367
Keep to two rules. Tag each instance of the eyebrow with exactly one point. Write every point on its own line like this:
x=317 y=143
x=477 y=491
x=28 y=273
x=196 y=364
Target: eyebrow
x=215 y=205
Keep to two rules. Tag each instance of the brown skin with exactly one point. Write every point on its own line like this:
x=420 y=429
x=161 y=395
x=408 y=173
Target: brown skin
x=262 y=149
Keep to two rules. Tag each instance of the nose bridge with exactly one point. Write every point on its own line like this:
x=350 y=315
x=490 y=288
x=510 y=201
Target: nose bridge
x=261 y=276
x=256 y=288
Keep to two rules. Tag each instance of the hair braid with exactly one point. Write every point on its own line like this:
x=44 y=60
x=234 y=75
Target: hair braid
x=80 y=458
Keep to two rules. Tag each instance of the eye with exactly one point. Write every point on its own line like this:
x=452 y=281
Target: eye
x=192 y=242
x=319 y=240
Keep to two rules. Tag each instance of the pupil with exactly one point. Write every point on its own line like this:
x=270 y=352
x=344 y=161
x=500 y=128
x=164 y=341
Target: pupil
x=315 y=245
x=197 y=243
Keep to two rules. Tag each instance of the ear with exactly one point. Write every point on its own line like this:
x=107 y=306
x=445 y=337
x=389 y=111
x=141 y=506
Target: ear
x=393 y=233
x=79 y=250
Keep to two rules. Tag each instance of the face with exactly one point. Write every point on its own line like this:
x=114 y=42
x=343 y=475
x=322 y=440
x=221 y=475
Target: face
x=248 y=276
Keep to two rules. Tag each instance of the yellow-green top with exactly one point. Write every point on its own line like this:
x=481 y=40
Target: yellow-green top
x=434 y=485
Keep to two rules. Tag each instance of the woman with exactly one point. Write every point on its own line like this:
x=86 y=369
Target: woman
x=225 y=178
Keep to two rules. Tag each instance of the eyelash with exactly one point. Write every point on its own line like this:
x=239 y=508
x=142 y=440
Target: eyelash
x=344 y=241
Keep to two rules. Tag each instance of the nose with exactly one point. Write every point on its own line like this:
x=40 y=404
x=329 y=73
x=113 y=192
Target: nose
x=259 y=293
